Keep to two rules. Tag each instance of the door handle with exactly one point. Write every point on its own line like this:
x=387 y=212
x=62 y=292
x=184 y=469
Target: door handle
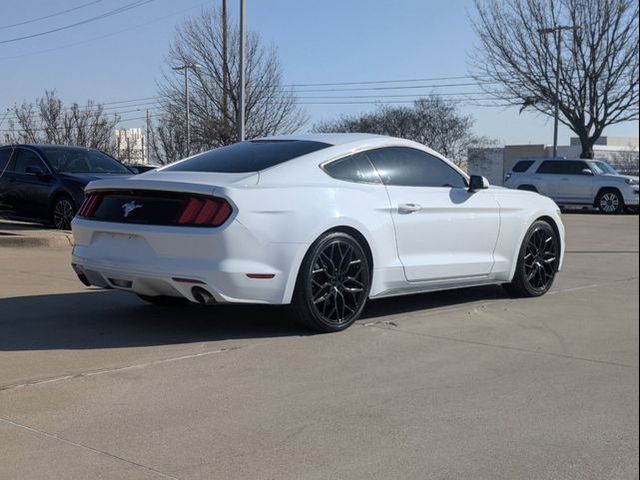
x=564 y=179
x=409 y=208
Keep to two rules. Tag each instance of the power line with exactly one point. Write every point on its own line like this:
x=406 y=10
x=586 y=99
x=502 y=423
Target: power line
x=61 y=12
x=129 y=6
x=111 y=34
x=401 y=87
x=370 y=82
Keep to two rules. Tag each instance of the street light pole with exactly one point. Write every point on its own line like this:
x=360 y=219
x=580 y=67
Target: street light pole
x=241 y=93
x=557 y=31
x=185 y=68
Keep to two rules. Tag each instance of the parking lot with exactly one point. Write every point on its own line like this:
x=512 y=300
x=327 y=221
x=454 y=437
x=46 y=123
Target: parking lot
x=457 y=385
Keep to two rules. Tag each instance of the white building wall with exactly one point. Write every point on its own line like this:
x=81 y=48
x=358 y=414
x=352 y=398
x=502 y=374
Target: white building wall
x=131 y=146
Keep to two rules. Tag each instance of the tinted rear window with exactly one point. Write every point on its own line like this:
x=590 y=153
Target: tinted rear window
x=522 y=166
x=354 y=168
x=251 y=156
x=563 y=167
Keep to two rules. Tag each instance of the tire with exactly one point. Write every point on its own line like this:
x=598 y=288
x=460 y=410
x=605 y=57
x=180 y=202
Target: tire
x=164 y=301
x=62 y=212
x=528 y=188
x=332 y=285
x=610 y=202
x=538 y=261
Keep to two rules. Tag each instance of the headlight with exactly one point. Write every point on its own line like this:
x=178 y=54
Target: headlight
x=631 y=181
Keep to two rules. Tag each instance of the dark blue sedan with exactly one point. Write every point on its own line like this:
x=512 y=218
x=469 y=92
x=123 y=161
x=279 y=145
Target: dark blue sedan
x=46 y=183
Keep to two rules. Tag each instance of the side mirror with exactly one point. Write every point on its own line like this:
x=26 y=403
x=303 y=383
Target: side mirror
x=587 y=171
x=477 y=182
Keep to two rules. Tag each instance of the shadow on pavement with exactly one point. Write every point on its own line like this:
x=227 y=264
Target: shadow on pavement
x=108 y=319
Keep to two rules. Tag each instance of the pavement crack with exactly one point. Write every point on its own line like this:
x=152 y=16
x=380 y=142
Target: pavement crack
x=53 y=436
x=504 y=347
x=91 y=373
x=591 y=285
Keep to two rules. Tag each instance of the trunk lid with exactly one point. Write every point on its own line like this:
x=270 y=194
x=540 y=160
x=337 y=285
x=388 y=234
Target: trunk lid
x=202 y=183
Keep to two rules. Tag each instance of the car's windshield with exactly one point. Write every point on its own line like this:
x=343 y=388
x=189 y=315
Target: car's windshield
x=601 y=168
x=75 y=160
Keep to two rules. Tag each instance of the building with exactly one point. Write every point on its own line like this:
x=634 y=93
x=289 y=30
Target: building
x=494 y=163
x=131 y=146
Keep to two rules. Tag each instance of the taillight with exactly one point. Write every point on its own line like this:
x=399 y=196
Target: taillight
x=507 y=176
x=205 y=211
x=90 y=204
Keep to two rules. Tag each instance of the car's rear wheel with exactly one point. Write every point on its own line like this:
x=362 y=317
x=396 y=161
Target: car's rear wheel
x=164 y=300
x=538 y=261
x=62 y=212
x=610 y=202
x=333 y=284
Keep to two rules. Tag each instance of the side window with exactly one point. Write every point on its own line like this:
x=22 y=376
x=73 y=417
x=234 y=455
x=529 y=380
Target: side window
x=5 y=155
x=26 y=158
x=522 y=166
x=549 y=166
x=577 y=167
x=354 y=168
x=414 y=168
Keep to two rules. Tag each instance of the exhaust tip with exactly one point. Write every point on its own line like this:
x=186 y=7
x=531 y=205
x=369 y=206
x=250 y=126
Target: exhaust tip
x=202 y=296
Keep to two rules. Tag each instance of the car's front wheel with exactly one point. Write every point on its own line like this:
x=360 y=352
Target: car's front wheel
x=62 y=212
x=333 y=284
x=610 y=202
x=537 y=263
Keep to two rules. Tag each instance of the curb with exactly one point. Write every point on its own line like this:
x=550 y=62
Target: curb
x=13 y=240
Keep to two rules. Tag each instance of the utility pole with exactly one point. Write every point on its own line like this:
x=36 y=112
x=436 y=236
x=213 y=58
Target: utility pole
x=185 y=68
x=241 y=93
x=148 y=138
x=557 y=31
x=225 y=66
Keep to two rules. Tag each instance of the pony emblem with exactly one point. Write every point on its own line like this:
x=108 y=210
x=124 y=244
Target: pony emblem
x=130 y=207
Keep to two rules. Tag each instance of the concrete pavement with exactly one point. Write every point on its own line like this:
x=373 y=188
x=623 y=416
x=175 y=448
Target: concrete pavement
x=462 y=384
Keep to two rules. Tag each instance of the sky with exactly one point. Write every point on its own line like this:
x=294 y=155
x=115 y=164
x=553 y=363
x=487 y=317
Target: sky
x=120 y=57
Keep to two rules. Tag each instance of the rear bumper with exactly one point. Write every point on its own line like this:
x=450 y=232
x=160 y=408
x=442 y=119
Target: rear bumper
x=171 y=261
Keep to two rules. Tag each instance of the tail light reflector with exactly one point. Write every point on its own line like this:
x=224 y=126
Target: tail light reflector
x=205 y=211
x=156 y=208
x=90 y=204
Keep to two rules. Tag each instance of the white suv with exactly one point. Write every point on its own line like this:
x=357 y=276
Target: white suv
x=576 y=182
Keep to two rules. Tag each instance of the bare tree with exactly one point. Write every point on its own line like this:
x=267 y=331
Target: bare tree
x=212 y=43
x=47 y=120
x=598 y=74
x=432 y=121
x=168 y=141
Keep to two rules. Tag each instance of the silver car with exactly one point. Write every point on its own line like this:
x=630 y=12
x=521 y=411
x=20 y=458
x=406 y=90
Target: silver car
x=576 y=182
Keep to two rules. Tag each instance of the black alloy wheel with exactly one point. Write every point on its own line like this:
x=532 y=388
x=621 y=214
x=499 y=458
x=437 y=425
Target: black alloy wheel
x=333 y=284
x=538 y=261
x=62 y=213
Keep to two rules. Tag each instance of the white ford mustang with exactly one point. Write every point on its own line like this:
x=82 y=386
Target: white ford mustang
x=320 y=222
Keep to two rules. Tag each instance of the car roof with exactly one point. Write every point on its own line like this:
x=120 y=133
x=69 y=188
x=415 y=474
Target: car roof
x=39 y=146
x=334 y=139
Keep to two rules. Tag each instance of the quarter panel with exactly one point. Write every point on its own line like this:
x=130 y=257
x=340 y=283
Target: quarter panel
x=518 y=210
x=300 y=214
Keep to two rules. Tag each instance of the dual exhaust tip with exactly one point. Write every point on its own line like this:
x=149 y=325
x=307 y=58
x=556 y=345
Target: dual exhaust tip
x=202 y=296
